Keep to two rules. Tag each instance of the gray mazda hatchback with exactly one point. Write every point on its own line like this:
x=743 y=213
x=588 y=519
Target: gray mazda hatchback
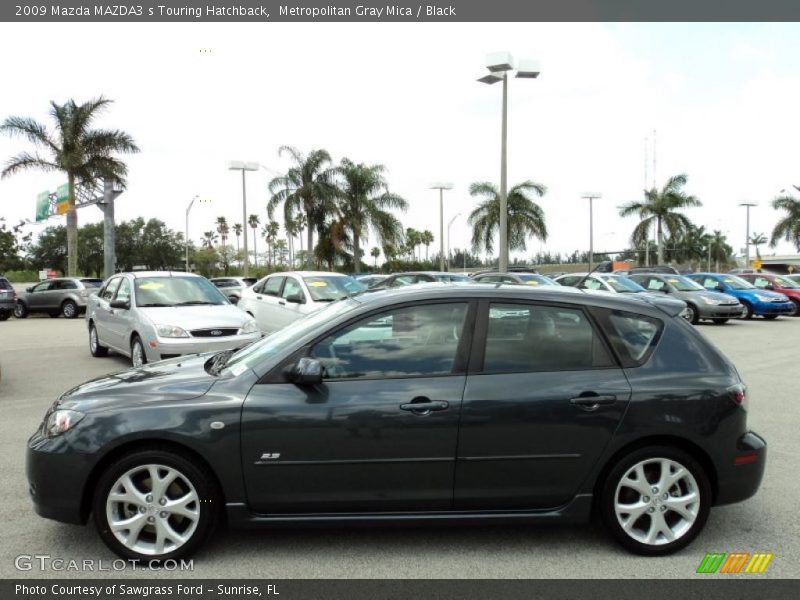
x=431 y=403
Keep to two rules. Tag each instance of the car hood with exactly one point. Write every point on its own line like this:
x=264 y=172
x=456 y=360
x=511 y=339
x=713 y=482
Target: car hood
x=180 y=378
x=717 y=296
x=197 y=317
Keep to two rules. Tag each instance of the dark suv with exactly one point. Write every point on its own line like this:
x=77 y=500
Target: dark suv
x=439 y=402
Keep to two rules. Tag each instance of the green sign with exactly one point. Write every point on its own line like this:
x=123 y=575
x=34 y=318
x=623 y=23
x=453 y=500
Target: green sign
x=42 y=206
x=62 y=199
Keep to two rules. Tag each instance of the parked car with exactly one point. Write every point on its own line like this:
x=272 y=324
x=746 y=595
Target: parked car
x=776 y=283
x=8 y=299
x=401 y=279
x=763 y=303
x=153 y=316
x=232 y=286
x=516 y=278
x=793 y=277
x=371 y=279
x=700 y=303
x=467 y=403
x=510 y=269
x=61 y=296
x=282 y=298
x=654 y=269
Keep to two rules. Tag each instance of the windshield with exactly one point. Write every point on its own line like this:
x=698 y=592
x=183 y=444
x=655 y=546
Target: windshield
x=329 y=288
x=622 y=285
x=536 y=280
x=451 y=277
x=785 y=282
x=684 y=284
x=737 y=283
x=251 y=355
x=176 y=291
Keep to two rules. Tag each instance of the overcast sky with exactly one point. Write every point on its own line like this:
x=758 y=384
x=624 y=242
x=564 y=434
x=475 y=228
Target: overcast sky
x=722 y=97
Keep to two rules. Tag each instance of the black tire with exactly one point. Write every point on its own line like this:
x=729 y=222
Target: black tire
x=20 y=310
x=796 y=312
x=69 y=309
x=4 y=315
x=695 y=318
x=233 y=299
x=748 y=314
x=136 y=340
x=719 y=321
x=770 y=317
x=205 y=487
x=97 y=350
x=609 y=492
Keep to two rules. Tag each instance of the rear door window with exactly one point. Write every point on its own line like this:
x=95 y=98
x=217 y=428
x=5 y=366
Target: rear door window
x=66 y=284
x=710 y=283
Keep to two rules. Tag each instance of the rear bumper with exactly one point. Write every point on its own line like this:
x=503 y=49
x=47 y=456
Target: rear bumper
x=739 y=477
x=7 y=305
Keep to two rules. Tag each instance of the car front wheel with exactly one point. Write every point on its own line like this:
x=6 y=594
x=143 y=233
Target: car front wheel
x=4 y=314
x=748 y=311
x=138 y=355
x=95 y=347
x=20 y=310
x=656 y=500
x=155 y=505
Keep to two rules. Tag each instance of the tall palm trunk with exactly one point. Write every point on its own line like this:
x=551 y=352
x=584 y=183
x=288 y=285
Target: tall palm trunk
x=310 y=240
x=356 y=252
x=660 y=235
x=255 y=252
x=72 y=230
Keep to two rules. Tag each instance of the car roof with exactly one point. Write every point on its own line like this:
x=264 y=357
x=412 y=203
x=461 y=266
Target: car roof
x=310 y=274
x=138 y=274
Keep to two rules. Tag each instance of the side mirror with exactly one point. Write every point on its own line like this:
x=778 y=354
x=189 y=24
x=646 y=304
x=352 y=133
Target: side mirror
x=719 y=288
x=769 y=286
x=126 y=304
x=307 y=371
x=233 y=299
x=29 y=289
x=296 y=298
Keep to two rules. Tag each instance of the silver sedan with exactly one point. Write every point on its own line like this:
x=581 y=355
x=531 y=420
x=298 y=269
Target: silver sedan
x=158 y=315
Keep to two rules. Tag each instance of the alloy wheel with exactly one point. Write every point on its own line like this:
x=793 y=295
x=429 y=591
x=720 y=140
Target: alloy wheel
x=137 y=354
x=657 y=501
x=69 y=310
x=93 y=340
x=153 y=509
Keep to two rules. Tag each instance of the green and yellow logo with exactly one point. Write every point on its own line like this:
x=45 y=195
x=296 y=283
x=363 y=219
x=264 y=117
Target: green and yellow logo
x=734 y=562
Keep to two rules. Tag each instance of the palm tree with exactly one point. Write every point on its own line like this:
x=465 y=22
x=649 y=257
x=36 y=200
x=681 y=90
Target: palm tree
x=209 y=239
x=237 y=229
x=788 y=227
x=308 y=186
x=253 y=221
x=661 y=207
x=412 y=241
x=719 y=248
x=525 y=217
x=364 y=204
x=757 y=239
x=223 y=230
x=73 y=148
x=426 y=237
x=270 y=233
x=375 y=253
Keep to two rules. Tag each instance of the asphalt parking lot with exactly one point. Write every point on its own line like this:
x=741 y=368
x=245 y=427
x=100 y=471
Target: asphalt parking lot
x=42 y=357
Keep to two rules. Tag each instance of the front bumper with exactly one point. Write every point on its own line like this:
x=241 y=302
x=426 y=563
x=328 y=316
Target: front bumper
x=739 y=476
x=716 y=311
x=774 y=308
x=159 y=348
x=57 y=477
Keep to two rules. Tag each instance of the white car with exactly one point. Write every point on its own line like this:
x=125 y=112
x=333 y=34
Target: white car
x=152 y=316
x=282 y=298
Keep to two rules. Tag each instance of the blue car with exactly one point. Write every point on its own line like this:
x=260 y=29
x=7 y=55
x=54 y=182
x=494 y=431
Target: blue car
x=762 y=303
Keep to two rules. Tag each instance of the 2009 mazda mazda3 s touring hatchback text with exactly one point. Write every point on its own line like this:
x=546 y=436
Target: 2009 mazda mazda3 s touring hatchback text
x=455 y=402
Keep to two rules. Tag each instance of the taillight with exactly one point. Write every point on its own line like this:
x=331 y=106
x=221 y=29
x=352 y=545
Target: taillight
x=738 y=394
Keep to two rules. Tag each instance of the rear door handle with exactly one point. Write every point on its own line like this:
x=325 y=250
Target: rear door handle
x=593 y=401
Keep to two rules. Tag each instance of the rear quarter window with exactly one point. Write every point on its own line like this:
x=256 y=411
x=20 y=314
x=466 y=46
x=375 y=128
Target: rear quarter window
x=4 y=284
x=633 y=336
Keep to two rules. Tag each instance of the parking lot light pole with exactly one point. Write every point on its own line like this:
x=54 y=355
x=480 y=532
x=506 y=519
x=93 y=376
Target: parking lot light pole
x=448 y=237
x=591 y=196
x=238 y=165
x=500 y=65
x=747 y=205
x=441 y=187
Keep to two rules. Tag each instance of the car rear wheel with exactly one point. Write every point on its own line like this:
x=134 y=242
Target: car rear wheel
x=748 y=311
x=20 y=310
x=656 y=500
x=69 y=309
x=138 y=355
x=155 y=505
x=719 y=321
x=796 y=311
x=4 y=314
x=95 y=348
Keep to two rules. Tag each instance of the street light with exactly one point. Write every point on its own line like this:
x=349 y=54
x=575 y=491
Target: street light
x=441 y=187
x=188 y=208
x=500 y=64
x=747 y=236
x=591 y=196
x=238 y=165
x=448 y=237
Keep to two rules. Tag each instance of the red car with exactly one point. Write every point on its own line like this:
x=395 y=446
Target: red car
x=777 y=283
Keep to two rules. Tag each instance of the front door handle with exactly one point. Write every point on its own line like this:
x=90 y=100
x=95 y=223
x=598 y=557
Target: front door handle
x=282 y=302
x=591 y=401
x=424 y=406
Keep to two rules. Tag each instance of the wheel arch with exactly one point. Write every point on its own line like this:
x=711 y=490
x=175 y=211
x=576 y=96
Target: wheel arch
x=684 y=444
x=117 y=452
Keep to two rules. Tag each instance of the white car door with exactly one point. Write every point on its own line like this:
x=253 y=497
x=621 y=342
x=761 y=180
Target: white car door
x=290 y=309
x=102 y=312
x=267 y=311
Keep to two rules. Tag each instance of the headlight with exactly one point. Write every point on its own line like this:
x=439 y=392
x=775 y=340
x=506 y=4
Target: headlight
x=711 y=301
x=250 y=327
x=61 y=421
x=769 y=298
x=171 y=331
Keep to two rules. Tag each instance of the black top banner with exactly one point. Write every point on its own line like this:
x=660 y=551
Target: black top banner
x=399 y=11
